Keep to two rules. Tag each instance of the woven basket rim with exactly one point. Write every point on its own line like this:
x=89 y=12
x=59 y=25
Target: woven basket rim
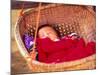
x=29 y=10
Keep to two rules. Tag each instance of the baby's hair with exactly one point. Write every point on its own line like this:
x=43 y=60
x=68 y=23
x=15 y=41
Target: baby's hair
x=47 y=25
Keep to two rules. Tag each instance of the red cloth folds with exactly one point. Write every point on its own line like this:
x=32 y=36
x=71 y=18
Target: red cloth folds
x=64 y=50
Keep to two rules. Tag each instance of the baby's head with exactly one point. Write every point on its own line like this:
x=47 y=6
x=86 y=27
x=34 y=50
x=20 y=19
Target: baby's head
x=47 y=31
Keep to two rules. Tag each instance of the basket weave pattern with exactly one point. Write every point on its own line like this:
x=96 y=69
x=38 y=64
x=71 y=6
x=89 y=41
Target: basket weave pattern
x=66 y=19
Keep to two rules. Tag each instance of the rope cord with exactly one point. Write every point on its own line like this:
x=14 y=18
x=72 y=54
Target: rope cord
x=37 y=21
x=33 y=53
x=37 y=25
x=22 y=10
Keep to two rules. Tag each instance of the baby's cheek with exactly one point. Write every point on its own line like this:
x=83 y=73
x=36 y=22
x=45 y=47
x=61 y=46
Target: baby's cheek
x=43 y=36
x=53 y=37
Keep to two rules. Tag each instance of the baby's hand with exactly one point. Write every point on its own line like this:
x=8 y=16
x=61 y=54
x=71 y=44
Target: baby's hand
x=74 y=37
x=71 y=36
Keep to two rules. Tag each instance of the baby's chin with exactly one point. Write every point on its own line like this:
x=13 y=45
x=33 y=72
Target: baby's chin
x=51 y=38
x=54 y=39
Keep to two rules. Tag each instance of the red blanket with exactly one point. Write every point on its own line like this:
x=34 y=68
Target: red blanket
x=64 y=50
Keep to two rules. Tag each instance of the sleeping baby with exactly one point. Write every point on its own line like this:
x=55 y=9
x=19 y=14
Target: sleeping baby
x=53 y=49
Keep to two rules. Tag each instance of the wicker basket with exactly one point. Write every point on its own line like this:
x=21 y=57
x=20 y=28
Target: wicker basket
x=66 y=19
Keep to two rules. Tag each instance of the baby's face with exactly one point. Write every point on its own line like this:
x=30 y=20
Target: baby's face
x=48 y=32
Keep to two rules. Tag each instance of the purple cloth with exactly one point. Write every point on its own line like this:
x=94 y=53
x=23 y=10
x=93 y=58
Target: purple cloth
x=27 y=40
